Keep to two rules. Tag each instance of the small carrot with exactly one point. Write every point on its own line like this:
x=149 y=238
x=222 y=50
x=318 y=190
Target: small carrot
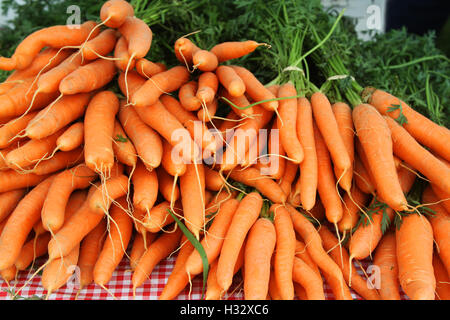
x=72 y=138
x=184 y=50
x=116 y=243
x=157 y=251
x=207 y=87
x=187 y=96
x=414 y=242
x=159 y=216
x=140 y=244
x=230 y=81
x=207 y=113
x=138 y=35
x=235 y=49
x=99 y=46
x=122 y=57
x=288 y=178
x=259 y=248
x=245 y=216
x=363 y=178
x=308 y=279
x=114 y=12
x=205 y=60
x=240 y=105
x=148 y=68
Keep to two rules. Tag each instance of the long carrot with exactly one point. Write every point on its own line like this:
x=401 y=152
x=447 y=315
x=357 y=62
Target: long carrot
x=259 y=248
x=12 y=180
x=60 y=161
x=138 y=35
x=234 y=49
x=9 y=201
x=308 y=279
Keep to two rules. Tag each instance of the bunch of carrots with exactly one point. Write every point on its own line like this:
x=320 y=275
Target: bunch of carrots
x=89 y=176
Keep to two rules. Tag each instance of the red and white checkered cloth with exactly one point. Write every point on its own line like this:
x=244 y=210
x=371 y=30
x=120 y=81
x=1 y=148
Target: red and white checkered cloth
x=120 y=287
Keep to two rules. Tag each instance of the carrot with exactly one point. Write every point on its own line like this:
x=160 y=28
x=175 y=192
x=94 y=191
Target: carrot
x=326 y=183
x=13 y=180
x=9 y=201
x=79 y=177
x=56 y=116
x=192 y=189
x=205 y=60
x=230 y=80
x=159 y=216
x=410 y=151
x=363 y=178
x=100 y=46
x=315 y=249
x=140 y=244
x=54 y=37
x=258 y=252
x=289 y=175
x=72 y=138
x=167 y=188
x=83 y=221
x=442 y=279
x=329 y=129
x=302 y=253
x=245 y=216
x=197 y=129
x=274 y=292
x=275 y=167
x=168 y=126
x=46 y=60
x=187 y=96
x=208 y=84
x=341 y=257
x=440 y=222
x=284 y=253
x=307 y=183
x=20 y=223
x=343 y=114
x=234 y=49
x=18 y=100
x=148 y=68
x=414 y=243
x=156 y=252
x=253 y=178
x=10 y=131
x=425 y=131
x=123 y=148
x=89 y=77
x=443 y=196
x=169 y=163
x=31 y=250
x=255 y=89
x=146 y=141
x=300 y=292
x=375 y=137
x=308 y=279
x=111 y=190
x=145 y=185
x=213 y=240
x=116 y=243
x=90 y=249
x=9 y=274
x=61 y=160
x=213 y=180
x=386 y=259
x=98 y=132
x=178 y=279
x=287 y=123
x=240 y=105
x=138 y=35
x=32 y=151
x=122 y=57
x=57 y=272
x=184 y=50
x=164 y=82
x=114 y=12
x=353 y=202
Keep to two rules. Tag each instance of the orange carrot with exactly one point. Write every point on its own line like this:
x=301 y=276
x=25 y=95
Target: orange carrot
x=122 y=57
x=375 y=138
x=207 y=87
x=31 y=250
x=157 y=251
x=425 y=131
x=240 y=105
x=187 y=96
x=148 y=69
x=442 y=279
x=61 y=160
x=255 y=89
x=258 y=252
x=363 y=178
x=89 y=77
x=307 y=183
x=184 y=50
x=386 y=259
x=138 y=35
x=308 y=279
x=207 y=113
x=111 y=190
x=414 y=243
x=12 y=180
x=72 y=138
x=164 y=82
x=123 y=148
x=192 y=189
x=146 y=141
x=234 y=49
x=20 y=223
x=353 y=202
x=289 y=175
x=145 y=184
x=100 y=46
x=159 y=216
x=326 y=183
x=284 y=253
x=245 y=216
x=90 y=249
x=167 y=188
x=10 y=131
x=232 y=83
x=205 y=60
x=114 y=12
x=329 y=129
x=287 y=123
x=116 y=243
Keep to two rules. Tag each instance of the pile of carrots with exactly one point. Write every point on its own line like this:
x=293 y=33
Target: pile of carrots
x=89 y=176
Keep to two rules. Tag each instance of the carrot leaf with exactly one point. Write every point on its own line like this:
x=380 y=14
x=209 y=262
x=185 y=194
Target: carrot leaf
x=401 y=119
x=120 y=138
